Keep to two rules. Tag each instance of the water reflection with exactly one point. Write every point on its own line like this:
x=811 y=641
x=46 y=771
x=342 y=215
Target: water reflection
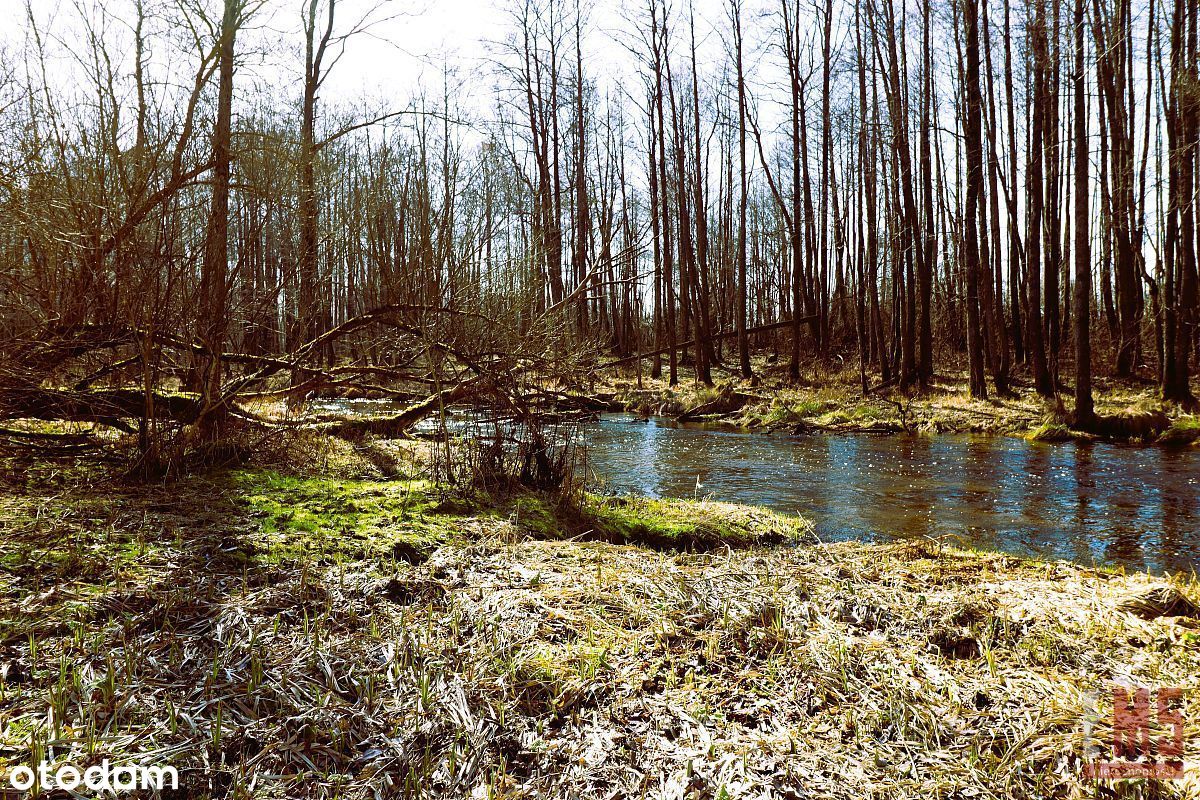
x=1094 y=503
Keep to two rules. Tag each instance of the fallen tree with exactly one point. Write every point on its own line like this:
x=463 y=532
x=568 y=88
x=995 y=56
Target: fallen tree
x=398 y=424
x=104 y=406
x=446 y=356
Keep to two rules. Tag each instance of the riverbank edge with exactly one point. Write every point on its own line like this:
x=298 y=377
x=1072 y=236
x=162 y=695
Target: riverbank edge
x=1128 y=413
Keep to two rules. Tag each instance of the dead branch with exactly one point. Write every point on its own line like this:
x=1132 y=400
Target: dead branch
x=398 y=424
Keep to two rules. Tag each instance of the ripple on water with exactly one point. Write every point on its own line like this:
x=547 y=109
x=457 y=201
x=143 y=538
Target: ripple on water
x=1093 y=503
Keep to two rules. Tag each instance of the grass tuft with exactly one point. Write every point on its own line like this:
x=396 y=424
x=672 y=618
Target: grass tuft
x=1183 y=431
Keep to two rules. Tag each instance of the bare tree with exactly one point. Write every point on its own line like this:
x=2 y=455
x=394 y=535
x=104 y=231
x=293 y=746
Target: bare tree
x=1084 y=413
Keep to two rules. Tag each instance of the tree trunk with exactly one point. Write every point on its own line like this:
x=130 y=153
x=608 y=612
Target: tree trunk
x=1084 y=413
x=972 y=103
x=742 y=289
x=214 y=279
x=1036 y=188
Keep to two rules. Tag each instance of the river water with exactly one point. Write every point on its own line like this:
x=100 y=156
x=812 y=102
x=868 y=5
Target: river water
x=1093 y=503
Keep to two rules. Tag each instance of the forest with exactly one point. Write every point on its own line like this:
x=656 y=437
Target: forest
x=572 y=398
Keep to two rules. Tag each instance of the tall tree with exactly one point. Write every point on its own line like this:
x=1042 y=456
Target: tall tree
x=583 y=219
x=1038 y=154
x=1084 y=413
x=790 y=18
x=972 y=113
x=735 y=10
x=312 y=314
x=699 y=182
x=1114 y=45
x=913 y=252
x=992 y=284
x=929 y=241
x=1183 y=134
x=1016 y=279
x=214 y=276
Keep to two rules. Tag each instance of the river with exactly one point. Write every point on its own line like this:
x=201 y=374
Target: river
x=1094 y=503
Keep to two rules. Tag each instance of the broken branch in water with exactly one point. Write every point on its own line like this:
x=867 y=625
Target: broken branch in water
x=398 y=424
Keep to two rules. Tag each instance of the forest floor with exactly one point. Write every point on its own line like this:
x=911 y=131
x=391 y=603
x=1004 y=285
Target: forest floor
x=834 y=402
x=311 y=632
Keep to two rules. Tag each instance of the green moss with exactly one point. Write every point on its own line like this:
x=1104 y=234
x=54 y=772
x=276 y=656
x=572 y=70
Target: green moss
x=780 y=414
x=300 y=517
x=350 y=518
x=707 y=394
x=1183 y=431
x=784 y=411
x=536 y=514
x=811 y=407
x=1053 y=432
x=859 y=414
x=691 y=524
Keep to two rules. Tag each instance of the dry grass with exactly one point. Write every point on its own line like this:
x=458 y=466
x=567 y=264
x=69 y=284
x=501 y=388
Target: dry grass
x=165 y=625
x=831 y=400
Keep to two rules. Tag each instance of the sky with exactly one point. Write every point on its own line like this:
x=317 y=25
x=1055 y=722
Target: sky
x=409 y=48
x=402 y=52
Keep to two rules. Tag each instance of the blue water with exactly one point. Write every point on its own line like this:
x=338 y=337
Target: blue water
x=1093 y=503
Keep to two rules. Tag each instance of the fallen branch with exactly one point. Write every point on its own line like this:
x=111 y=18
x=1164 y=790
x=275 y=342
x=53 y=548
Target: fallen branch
x=103 y=405
x=47 y=443
x=398 y=424
x=383 y=315
x=722 y=405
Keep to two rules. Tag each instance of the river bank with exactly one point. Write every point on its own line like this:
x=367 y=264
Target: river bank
x=276 y=633
x=837 y=404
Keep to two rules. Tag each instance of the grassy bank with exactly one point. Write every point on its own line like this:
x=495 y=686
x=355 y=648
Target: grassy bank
x=836 y=404
x=282 y=635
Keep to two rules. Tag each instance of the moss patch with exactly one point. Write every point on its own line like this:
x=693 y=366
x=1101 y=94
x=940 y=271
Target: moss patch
x=1054 y=432
x=692 y=525
x=1183 y=431
x=348 y=518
